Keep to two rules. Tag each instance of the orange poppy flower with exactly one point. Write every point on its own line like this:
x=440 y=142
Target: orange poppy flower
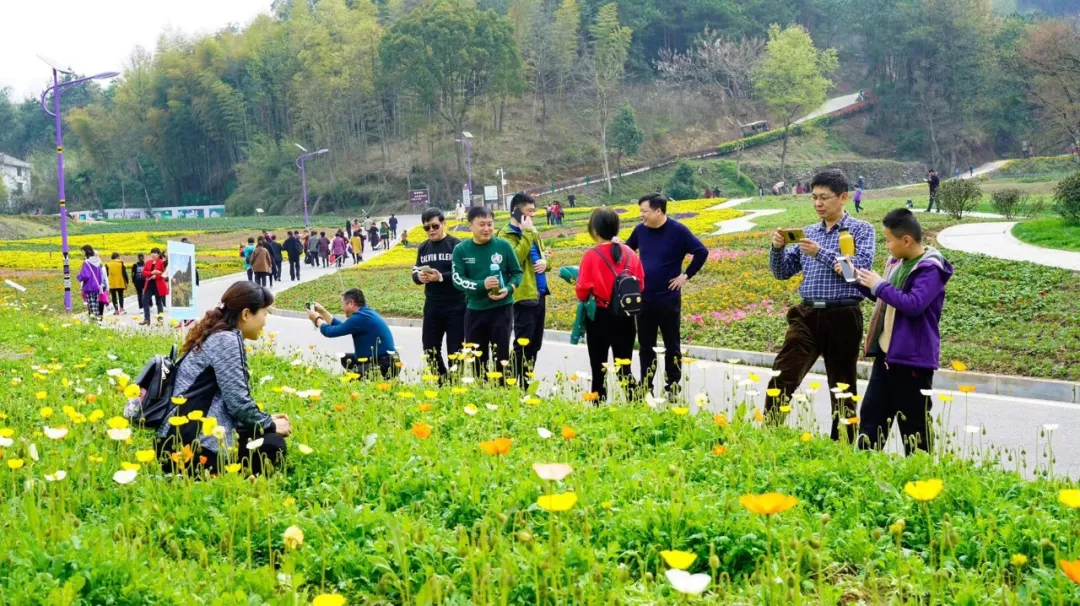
x=720 y=419
x=719 y=450
x=183 y=456
x=568 y=432
x=498 y=446
x=1071 y=569
x=421 y=430
x=339 y=407
x=383 y=386
x=424 y=407
x=591 y=396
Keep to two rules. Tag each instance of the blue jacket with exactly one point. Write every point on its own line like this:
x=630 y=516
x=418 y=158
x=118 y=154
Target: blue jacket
x=371 y=335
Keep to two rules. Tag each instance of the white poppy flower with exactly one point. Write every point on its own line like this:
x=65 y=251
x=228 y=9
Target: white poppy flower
x=659 y=350
x=288 y=389
x=33 y=452
x=842 y=395
x=753 y=394
x=115 y=372
x=800 y=398
x=701 y=400
x=218 y=432
x=927 y=392
x=266 y=379
x=125 y=476
x=56 y=477
x=80 y=391
x=453 y=368
x=653 y=401
x=973 y=429
x=120 y=434
x=544 y=433
x=746 y=383
x=297 y=362
x=774 y=373
x=255 y=444
x=552 y=471
x=55 y=433
x=468 y=380
x=492 y=407
x=684 y=582
x=470 y=410
x=369 y=441
x=1051 y=426
x=6 y=442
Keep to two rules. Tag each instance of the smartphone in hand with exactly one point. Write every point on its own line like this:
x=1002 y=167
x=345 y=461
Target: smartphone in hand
x=793 y=236
x=847 y=268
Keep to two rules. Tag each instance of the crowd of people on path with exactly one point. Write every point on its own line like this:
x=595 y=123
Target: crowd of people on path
x=105 y=284
x=487 y=294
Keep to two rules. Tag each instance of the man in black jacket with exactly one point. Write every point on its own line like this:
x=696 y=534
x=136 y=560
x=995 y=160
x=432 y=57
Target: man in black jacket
x=444 y=305
x=934 y=181
x=295 y=250
x=275 y=254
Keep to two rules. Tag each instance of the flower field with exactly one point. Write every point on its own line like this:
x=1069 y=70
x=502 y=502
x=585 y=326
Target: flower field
x=415 y=493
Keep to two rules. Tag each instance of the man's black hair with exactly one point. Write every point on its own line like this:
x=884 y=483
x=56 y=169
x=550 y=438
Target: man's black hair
x=155 y=251
x=356 y=296
x=902 y=222
x=656 y=202
x=831 y=178
x=432 y=213
x=251 y=240
x=521 y=199
x=480 y=212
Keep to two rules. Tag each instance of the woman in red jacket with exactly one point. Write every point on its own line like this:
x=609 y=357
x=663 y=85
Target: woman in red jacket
x=596 y=278
x=155 y=286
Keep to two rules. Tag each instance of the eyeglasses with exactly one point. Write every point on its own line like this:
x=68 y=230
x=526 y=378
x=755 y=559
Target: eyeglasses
x=822 y=198
x=432 y=226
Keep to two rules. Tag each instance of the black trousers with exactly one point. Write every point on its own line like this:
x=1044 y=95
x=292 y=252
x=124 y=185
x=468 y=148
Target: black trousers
x=528 y=324
x=834 y=334
x=139 y=289
x=294 y=268
x=117 y=298
x=615 y=333
x=934 y=200
x=442 y=320
x=148 y=300
x=666 y=317
x=261 y=277
x=385 y=366
x=251 y=275
x=895 y=392
x=490 y=329
x=270 y=454
x=278 y=264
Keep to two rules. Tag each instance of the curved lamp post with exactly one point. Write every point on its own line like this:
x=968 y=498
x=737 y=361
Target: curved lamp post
x=303 y=177
x=58 y=89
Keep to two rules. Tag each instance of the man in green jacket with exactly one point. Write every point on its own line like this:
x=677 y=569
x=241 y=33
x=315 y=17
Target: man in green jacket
x=530 y=301
x=486 y=269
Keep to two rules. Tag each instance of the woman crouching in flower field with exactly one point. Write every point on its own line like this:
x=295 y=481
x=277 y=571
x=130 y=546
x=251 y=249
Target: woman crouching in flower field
x=214 y=381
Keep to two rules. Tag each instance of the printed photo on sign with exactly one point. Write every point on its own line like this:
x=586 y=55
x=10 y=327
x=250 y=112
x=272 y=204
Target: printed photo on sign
x=182 y=288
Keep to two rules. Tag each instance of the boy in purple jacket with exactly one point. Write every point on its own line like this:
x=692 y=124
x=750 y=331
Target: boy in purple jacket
x=903 y=336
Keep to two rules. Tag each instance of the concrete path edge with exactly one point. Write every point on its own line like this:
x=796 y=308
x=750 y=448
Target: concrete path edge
x=985 y=384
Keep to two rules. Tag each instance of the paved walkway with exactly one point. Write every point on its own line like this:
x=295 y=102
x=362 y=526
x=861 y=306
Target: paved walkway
x=996 y=240
x=989 y=167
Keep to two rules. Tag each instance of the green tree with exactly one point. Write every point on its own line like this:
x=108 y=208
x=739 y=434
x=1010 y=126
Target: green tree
x=625 y=136
x=448 y=53
x=792 y=78
x=681 y=185
x=605 y=70
x=3 y=193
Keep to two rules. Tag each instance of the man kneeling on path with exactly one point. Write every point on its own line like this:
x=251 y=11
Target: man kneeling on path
x=829 y=322
x=372 y=341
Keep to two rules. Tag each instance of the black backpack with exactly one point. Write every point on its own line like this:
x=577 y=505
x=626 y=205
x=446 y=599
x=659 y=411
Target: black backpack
x=156 y=388
x=626 y=292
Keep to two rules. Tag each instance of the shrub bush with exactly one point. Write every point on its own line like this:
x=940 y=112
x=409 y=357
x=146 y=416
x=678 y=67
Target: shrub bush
x=1067 y=199
x=959 y=196
x=681 y=185
x=1010 y=203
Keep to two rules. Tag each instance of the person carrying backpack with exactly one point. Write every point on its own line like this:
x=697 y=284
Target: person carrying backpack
x=214 y=378
x=95 y=284
x=245 y=252
x=611 y=274
x=138 y=279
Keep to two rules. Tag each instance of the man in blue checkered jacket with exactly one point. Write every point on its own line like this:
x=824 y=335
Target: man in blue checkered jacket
x=829 y=321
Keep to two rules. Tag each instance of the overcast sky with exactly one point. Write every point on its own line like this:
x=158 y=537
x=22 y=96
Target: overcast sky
x=95 y=36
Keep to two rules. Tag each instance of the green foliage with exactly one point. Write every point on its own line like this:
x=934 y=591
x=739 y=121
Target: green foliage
x=1010 y=202
x=624 y=135
x=1049 y=232
x=681 y=185
x=1067 y=199
x=3 y=192
x=959 y=196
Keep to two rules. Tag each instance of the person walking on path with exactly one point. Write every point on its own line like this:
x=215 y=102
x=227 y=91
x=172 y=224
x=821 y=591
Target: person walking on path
x=373 y=237
x=276 y=250
x=971 y=171
x=600 y=266
x=245 y=252
x=904 y=336
x=571 y=200
x=384 y=235
x=373 y=343
x=356 y=229
x=663 y=244
x=95 y=284
x=357 y=243
x=858 y=199
x=324 y=249
x=338 y=249
x=934 y=181
x=137 y=278
x=829 y=321
x=118 y=282
x=156 y=285
x=486 y=269
x=214 y=353
x=295 y=249
x=530 y=300
x=444 y=305
x=348 y=228
x=393 y=226
x=312 y=249
x=261 y=262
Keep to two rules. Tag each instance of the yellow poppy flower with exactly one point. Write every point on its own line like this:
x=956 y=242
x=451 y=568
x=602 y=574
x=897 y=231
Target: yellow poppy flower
x=145 y=456
x=557 y=502
x=924 y=490
x=678 y=559
x=1069 y=498
x=768 y=503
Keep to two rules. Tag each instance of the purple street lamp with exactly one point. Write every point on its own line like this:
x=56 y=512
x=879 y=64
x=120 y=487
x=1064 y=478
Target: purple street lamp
x=58 y=91
x=303 y=177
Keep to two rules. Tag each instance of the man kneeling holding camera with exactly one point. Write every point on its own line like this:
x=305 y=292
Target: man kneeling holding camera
x=372 y=340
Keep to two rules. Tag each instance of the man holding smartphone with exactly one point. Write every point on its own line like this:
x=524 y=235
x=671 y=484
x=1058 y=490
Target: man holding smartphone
x=530 y=301
x=444 y=305
x=829 y=321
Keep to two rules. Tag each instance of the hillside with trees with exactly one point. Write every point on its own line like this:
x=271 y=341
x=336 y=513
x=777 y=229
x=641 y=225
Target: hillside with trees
x=548 y=89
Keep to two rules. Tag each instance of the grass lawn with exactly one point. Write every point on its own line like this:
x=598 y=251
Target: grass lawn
x=1000 y=316
x=389 y=497
x=1049 y=232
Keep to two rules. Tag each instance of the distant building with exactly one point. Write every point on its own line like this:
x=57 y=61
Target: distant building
x=16 y=175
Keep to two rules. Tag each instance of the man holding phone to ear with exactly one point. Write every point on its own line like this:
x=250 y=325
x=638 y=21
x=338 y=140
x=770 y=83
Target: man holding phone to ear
x=444 y=305
x=829 y=321
x=530 y=301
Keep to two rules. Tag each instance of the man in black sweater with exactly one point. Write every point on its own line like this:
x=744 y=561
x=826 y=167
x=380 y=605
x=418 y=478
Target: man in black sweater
x=663 y=244
x=934 y=181
x=275 y=254
x=295 y=249
x=444 y=305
